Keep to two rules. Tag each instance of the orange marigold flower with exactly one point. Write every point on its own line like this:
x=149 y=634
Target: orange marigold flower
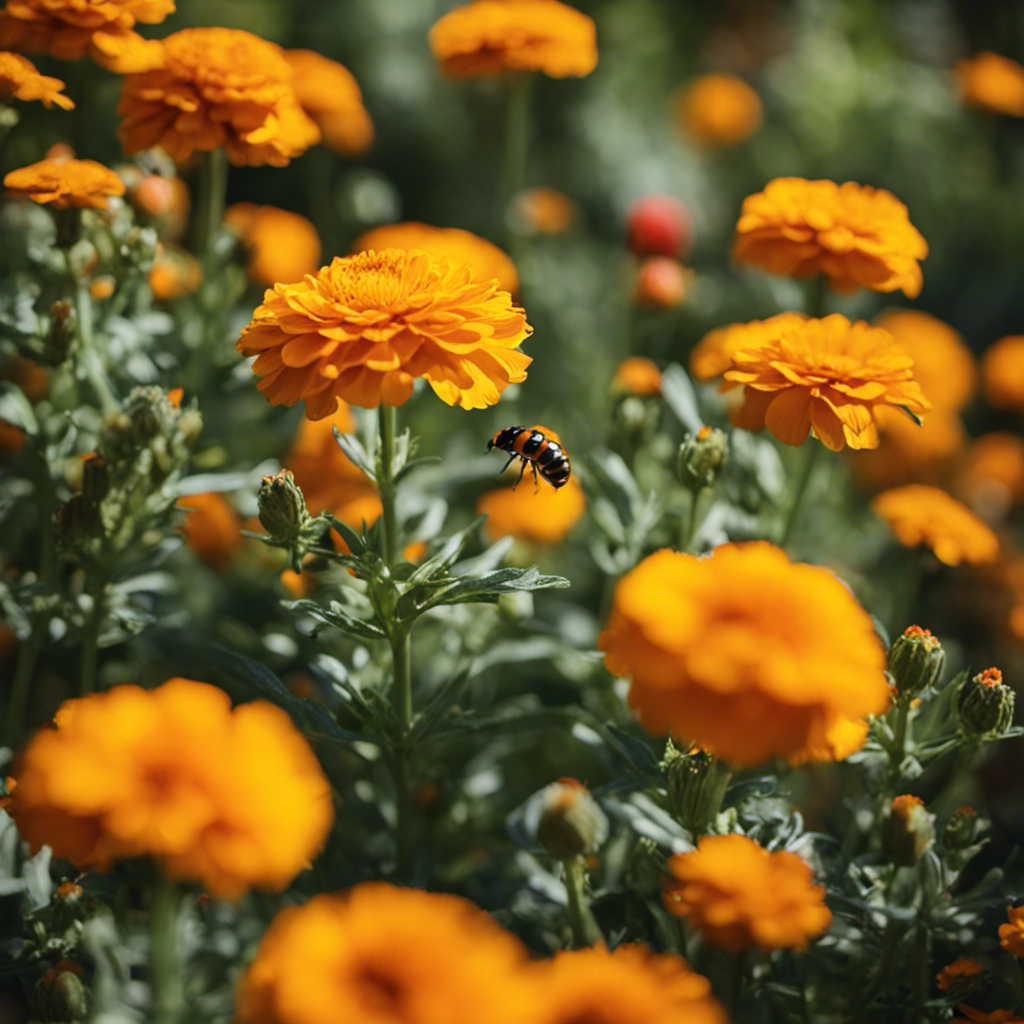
x=174 y=273
x=991 y=476
x=638 y=376
x=972 y=1016
x=718 y=110
x=992 y=82
x=71 y=29
x=1002 y=373
x=485 y=260
x=216 y=87
x=379 y=953
x=544 y=211
x=828 y=374
x=65 y=183
x=662 y=282
x=625 y=986
x=918 y=514
x=845 y=736
x=1011 y=935
x=367 y=325
x=230 y=798
x=729 y=651
x=212 y=528
x=857 y=236
x=494 y=37
x=19 y=80
x=738 y=895
x=329 y=94
x=958 y=974
x=282 y=246
x=539 y=514
x=713 y=354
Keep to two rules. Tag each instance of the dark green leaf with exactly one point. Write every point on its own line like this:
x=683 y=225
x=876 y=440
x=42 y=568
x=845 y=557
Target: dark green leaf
x=492 y=584
x=341 y=619
x=352 y=539
x=638 y=753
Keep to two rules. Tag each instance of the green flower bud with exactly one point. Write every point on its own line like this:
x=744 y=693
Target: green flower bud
x=701 y=458
x=79 y=524
x=282 y=508
x=916 y=661
x=907 y=831
x=962 y=830
x=696 y=782
x=58 y=338
x=984 y=706
x=60 y=994
x=570 y=822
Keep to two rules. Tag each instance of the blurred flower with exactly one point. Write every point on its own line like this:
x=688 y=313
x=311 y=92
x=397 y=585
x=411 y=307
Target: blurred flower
x=70 y=30
x=101 y=288
x=1002 y=373
x=857 y=236
x=19 y=80
x=907 y=830
x=991 y=474
x=174 y=273
x=539 y=514
x=972 y=1016
x=282 y=246
x=212 y=528
x=329 y=94
x=830 y=375
x=544 y=211
x=1011 y=935
x=33 y=380
x=379 y=953
x=984 y=706
x=626 y=986
x=958 y=975
x=65 y=183
x=718 y=110
x=992 y=82
x=570 y=821
x=658 y=226
x=165 y=199
x=216 y=87
x=729 y=651
x=713 y=354
x=918 y=514
x=845 y=736
x=485 y=260
x=738 y=895
x=662 y=282
x=637 y=376
x=493 y=37
x=367 y=325
x=230 y=798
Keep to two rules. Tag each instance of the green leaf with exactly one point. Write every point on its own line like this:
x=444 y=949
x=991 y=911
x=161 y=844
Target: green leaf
x=677 y=390
x=352 y=539
x=16 y=409
x=637 y=753
x=423 y=460
x=449 y=552
x=489 y=586
x=337 y=616
x=357 y=454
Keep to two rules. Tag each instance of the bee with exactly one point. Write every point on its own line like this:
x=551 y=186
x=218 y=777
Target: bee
x=539 y=448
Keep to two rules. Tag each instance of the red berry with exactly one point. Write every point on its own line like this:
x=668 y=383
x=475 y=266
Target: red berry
x=658 y=226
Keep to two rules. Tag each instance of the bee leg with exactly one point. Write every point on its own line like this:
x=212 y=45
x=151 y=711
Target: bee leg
x=521 y=472
x=511 y=459
x=536 y=479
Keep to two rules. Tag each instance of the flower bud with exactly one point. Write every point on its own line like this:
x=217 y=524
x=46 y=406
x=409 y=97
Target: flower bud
x=60 y=994
x=985 y=705
x=637 y=376
x=662 y=283
x=701 y=458
x=282 y=508
x=916 y=661
x=907 y=831
x=962 y=830
x=658 y=226
x=696 y=782
x=79 y=524
x=571 y=822
x=58 y=338
x=95 y=478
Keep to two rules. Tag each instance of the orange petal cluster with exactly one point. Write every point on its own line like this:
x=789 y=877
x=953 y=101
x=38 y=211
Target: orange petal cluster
x=1002 y=373
x=1011 y=934
x=961 y=973
x=744 y=653
x=990 y=478
x=857 y=236
x=713 y=354
x=539 y=514
x=282 y=246
x=543 y=210
x=216 y=87
x=992 y=82
x=365 y=327
x=212 y=528
x=738 y=895
x=637 y=375
x=718 y=110
x=830 y=375
x=19 y=80
x=233 y=799
x=493 y=37
x=918 y=514
x=65 y=183
x=71 y=29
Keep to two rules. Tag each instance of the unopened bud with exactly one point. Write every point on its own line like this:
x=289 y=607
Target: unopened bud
x=61 y=995
x=907 y=831
x=962 y=830
x=282 y=508
x=916 y=661
x=696 y=782
x=571 y=822
x=701 y=458
x=95 y=478
x=78 y=523
x=985 y=705
x=58 y=338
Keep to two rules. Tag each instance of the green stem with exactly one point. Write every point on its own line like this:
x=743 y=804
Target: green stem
x=386 y=481
x=91 y=633
x=88 y=356
x=574 y=878
x=817 y=296
x=517 y=141
x=688 y=525
x=806 y=471
x=899 y=745
x=944 y=804
x=166 y=976
x=213 y=184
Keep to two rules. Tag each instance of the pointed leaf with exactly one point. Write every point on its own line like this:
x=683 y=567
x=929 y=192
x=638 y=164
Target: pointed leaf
x=336 y=615
x=357 y=454
x=677 y=390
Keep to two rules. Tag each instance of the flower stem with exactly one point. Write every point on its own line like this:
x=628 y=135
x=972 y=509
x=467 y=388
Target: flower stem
x=899 y=745
x=386 y=481
x=166 y=976
x=88 y=356
x=581 y=932
x=943 y=805
x=213 y=184
x=806 y=471
x=517 y=141
x=690 y=520
x=91 y=633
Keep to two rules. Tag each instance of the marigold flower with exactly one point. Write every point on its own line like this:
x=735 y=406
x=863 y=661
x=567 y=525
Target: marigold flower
x=282 y=246
x=19 y=80
x=216 y=87
x=638 y=376
x=625 y=986
x=539 y=514
x=65 y=183
x=845 y=736
x=1011 y=935
x=729 y=651
x=485 y=260
x=70 y=30
x=958 y=974
x=828 y=374
x=718 y=110
x=367 y=325
x=857 y=236
x=713 y=354
x=544 y=211
x=380 y=953
x=493 y=37
x=662 y=282
x=918 y=514
x=328 y=93
x=174 y=273
x=992 y=82
x=738 y=895
x=212 y=528
x=991 y=474
x=230 y=798
x=1002 y=374
x=972 y=1016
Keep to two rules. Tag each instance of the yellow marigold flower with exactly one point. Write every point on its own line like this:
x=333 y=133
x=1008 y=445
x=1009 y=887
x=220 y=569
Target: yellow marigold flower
x=972 y=1016
x=857 y=236
x=958 y=974
x=233 y=799
x=174 y=273
x=539 y=514
x=212 y=528
x=329 y=94
x=493 y=37
x=65 y=183
x=991 y=476
x=992 y=82
x=380 y=953
x=718 y=110
x=216 y=87
x=713 y=354
x=638 y=376
x=738 y=895
x=544 y=211
x=282 y=246
x=485 y=260
x=628 y=985
x=1011 y=935
x=918 y=514
x=729 y=651
x=1002 y=373
x=845 y=736
x=830 y=375
x=367 y=325
x=71 y=29
x=19 y=80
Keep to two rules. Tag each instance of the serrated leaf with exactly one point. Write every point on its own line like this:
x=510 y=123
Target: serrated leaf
x=16 y=409
x=490 y=585
x=450 y=550
x=677 y=390
x=487 y=560
x=357 y=454
x=336 y=615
